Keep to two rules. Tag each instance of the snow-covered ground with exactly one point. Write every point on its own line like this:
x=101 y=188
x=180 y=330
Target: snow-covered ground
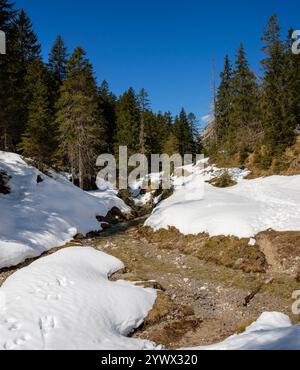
x=35 y=216
x=272 y=331
x=65 y=301
x=243 y=210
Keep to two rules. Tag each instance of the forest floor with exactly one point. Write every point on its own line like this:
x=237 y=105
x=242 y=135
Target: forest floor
x=199 y=302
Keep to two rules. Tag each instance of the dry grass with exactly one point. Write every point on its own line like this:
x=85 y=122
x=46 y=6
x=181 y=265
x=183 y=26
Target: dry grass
x=226 y=251
x=223 y=181
x=288 y=164
x=241 y=328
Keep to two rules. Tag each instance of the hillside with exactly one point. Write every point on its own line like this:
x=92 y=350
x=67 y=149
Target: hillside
x=39 y=212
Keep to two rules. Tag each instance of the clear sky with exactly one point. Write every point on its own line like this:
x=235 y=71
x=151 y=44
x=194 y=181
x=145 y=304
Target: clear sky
x=165 y=46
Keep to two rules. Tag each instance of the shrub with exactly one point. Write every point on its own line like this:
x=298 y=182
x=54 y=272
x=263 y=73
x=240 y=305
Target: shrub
x=223 y=181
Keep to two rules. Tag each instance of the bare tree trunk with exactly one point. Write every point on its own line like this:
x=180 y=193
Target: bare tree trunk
x=80 y=166
x=142 y=135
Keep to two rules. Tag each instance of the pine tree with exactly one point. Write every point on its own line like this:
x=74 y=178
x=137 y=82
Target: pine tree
x=278 y=134
x=7 y=16
x=25 y=49
x=245 y=92
x=107 y=107
x=27 y=42
x=224 y=102
x=77 y=114
x=163 y=128
x=38 y=141
x=183 y=131
x=291 y=86
x=128 y=122
x=245 y=126
x=57 y=66
x=143 y=99
x=171 y=145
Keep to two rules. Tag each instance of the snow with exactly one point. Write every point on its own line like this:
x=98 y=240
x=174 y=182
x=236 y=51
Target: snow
x=243 y=210
x=66 y=302
x=272 y=331
x=252 y=242
x=35 y=217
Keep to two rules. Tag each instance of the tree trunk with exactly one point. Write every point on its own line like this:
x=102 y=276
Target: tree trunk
x=142 y=136
x=80 y=166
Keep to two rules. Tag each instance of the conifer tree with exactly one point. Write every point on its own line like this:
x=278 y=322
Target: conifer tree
x=38 y=141
x=57 y=66
x=292 y=86
x=164 y=123
x=245 y=92
x=143 y=99
x=77 y=114
x=7 y=16
x=107 y=109
x=26 y=49
x=171 y=145
x=278 y=133
x=183 y=131
x=128 y=122
x=224 y=102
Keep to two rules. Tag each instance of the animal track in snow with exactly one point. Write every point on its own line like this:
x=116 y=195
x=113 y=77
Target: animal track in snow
x=52 y=297
x=2 y=302
x=64 y=282
x=46 y=324
x=18 y=342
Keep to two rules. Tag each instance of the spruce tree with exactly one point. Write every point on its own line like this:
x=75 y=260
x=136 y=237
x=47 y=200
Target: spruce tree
x=224 y=102
x=278 y=133
x=57 y=66
x=77 y=114
x=107 y=108
x=143 y=99
x=171 y=145
x=164 y=123
x=245 y=92
x=245 y=126
x=26 y=50
x=38 y=141
x=292 y=86
x=7 y=62
x=27 y=42
x=183 y=131
x=128 y=122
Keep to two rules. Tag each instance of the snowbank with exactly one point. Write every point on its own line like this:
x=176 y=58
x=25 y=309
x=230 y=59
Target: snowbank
x=65 y=302
x=244 y=210
x=35 y=216
x=272 y=331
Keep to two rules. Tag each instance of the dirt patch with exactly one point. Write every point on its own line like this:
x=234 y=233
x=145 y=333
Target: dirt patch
x=201 y=298
x=226 y=251
x=282 y=250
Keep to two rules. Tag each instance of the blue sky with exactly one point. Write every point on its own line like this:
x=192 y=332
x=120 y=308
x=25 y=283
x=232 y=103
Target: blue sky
x=167 y=47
